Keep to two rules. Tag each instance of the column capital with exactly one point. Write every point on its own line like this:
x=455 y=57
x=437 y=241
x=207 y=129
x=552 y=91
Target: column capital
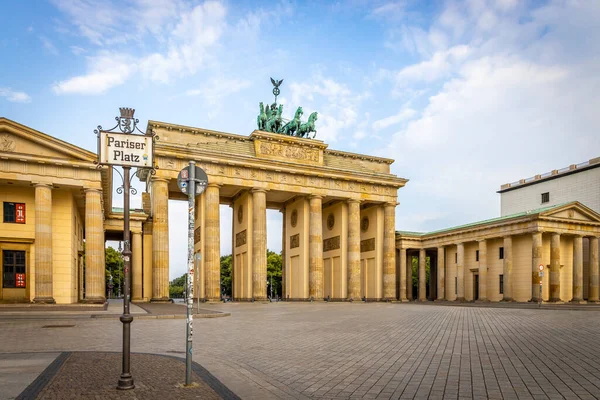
x=481 y=240
x=212 y=184
x=159 y=179
x=259 y=190
x=43 y=184
x=391 y=204
x=91 y=190
x=353 y=201
x=315 y=196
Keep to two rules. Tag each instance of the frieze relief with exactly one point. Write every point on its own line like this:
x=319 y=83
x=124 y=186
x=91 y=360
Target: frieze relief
x=367 y=245
x=295 y=241
x=287 y=151
x=240 y=238
x=332 y=243
x=7 y=143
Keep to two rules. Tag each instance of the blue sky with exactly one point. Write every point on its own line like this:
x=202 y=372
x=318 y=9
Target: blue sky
x=464 y=95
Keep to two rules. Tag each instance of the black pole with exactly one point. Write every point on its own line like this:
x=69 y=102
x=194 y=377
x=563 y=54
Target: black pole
x=126 y=380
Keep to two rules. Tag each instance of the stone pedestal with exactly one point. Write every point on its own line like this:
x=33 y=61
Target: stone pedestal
x=315 y=249
x=259 y=244
x=212 y=258
x=95 y=279
x=353 y=250
x=389 y=252
x=43 y=244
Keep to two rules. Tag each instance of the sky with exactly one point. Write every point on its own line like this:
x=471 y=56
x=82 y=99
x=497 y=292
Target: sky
x=463 y=95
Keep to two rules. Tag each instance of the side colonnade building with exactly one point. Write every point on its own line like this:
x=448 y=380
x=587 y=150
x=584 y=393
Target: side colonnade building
x=498 y=259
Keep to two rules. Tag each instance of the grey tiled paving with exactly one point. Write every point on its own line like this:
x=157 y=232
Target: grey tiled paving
x=371 y=351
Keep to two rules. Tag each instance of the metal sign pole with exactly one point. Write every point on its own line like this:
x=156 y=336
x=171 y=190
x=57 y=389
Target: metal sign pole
x=191 y=189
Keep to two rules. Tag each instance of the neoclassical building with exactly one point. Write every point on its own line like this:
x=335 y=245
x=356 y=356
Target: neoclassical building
x=499 y=259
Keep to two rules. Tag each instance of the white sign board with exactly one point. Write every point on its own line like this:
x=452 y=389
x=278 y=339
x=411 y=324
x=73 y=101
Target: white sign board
x=127 y=150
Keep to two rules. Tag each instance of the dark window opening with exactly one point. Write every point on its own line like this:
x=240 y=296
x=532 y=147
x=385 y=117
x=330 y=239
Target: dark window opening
x=501 y=253
x=455 y=285
x=14 y=213
x=13 y=269
x=501 y=284
x=476 y=255
x=546 y=197
x=456 y=258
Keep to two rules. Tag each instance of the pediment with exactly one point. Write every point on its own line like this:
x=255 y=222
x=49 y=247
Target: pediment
x=572 y=212
x=18 y=140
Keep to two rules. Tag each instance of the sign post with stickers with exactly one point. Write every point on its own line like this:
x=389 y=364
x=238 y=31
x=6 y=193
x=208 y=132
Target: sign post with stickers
x=192 y=181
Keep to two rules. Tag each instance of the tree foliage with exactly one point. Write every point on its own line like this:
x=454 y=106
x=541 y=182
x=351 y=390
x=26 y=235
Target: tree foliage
x=113 y=267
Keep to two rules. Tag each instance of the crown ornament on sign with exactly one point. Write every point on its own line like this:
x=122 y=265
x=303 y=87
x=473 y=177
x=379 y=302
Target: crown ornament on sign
x=126 y=112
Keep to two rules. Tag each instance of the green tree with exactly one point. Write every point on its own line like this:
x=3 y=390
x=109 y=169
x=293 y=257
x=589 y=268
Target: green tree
x=113 y=267
x=274 y=266
x=415 y=275
x=177 y=286
x=226 y=275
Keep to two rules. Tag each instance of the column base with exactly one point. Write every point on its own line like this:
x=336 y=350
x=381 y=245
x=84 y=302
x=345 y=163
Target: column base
x=94 y=300
x=461 y=300
x=578 y=301
x=403 y=300
x=555 y=301
x=439 y=300
x=507 y=300
x=161 y=300
x=482 y=300
x=137 y=300
x=44 y=300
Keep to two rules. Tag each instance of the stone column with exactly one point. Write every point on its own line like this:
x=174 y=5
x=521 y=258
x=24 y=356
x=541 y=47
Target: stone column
x=95 y=280
x=389 y=251
x=536 y=260
x=403 y=275
x=233 y=274
x=577 y=269
x=555 y=267
x=259 y=244
x=136 y=266
x=315 y=249
x=212 y=258
x=43 y=244
x=441 y=273
x=160 y=239
x=409 y=277
x=483 y=270
x=460 y=272
x=283 y=259
x=594 y=271
x=422 y=278
x=507 y=269
x=353 y=250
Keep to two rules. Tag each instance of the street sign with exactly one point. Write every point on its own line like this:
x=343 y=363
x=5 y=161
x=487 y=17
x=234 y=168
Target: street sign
x=541 y=273
x=125 y=149
x=541 y=267
x=200 y=178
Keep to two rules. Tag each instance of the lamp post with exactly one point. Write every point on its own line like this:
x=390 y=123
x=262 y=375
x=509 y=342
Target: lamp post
x=126 y=149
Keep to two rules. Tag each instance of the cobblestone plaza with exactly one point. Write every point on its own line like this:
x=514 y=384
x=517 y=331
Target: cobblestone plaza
x=373 y=350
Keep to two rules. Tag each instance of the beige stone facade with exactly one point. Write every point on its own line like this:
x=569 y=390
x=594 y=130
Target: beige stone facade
x=498 y=259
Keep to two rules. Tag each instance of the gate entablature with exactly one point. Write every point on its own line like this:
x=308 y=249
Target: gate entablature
x=274 y=162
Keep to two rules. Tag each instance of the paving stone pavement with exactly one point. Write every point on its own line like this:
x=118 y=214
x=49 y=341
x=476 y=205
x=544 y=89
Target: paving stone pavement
x=371 y=351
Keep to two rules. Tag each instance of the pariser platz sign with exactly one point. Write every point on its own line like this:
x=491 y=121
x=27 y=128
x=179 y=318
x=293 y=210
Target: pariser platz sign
x=126 y=149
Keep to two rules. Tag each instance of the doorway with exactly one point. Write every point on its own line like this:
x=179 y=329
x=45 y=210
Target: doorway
x=475 y=286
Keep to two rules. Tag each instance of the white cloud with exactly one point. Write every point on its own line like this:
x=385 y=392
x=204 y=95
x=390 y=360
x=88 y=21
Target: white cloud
x=77 y=50
x=13 y=96
x=105 y=71
x=403 y=115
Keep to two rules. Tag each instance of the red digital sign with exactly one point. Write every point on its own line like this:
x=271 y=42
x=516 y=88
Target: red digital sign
x=20 y=278
x=20 y=213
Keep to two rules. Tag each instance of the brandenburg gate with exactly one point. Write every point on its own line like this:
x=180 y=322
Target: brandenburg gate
x=338 y=214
